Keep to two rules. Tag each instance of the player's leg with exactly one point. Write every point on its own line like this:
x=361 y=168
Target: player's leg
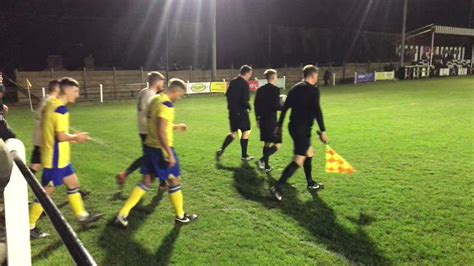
x=35 y=160
x=302 y=143
x=137 y=194
x=71 y=181
x=138 y=163
x=36 y=210
x=289 y=171
x=149 y=170
x=234 y=128
x=244 y=143
x=308 y=171
x=268 y=150
x=244 y=126
x=227 y=141
x=173 y=176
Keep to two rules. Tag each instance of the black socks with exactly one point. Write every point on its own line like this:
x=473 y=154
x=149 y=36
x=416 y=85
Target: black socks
x=287 y=173
x=308 y=170
x=227 y=141
x=134 y=166
x=267 y=152
x=244 y=143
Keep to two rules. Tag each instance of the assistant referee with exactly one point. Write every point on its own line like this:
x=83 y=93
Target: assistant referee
x=304 y=102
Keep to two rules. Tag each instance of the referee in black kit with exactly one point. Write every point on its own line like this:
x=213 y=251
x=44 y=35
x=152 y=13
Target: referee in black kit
x=267 y=104
x=238 y=97
x=303 y=99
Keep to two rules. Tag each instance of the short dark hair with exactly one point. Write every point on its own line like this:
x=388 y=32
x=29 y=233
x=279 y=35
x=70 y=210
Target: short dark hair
x=176 y=84
x=154 y=77
x=309 y=70
x=245 y=69
x=67 y=81
x=53 y=84
x=269 y=73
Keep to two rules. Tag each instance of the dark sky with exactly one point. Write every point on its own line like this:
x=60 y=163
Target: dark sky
x=131 y=33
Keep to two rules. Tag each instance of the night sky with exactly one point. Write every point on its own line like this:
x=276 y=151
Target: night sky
x=131 y=33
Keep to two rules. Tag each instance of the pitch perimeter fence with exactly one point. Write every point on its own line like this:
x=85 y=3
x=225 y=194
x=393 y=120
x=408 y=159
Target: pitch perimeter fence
x=125 y=84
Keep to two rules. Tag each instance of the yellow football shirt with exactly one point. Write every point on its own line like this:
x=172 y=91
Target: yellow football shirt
x=55 y=117
x=160 y=106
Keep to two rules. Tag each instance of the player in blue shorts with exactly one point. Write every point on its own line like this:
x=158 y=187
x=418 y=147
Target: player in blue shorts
x=160 y=158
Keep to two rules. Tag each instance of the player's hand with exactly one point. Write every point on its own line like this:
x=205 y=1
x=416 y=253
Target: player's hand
x=258 y=124
x=181 y=127
x=82 y=137
x=171 y=161
x=323 y=137
x=5 y=108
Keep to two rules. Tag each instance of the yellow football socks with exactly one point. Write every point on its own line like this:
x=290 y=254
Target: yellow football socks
x=35 y=213
x=176 y=198
x=134 y=198
x=75 y=200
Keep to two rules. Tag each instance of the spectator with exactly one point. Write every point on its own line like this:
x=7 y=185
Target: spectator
x=5 y=131
x=327 y=77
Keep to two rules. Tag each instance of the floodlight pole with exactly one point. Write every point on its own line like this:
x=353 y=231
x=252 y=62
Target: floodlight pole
x=214 y=40
x=404 y=29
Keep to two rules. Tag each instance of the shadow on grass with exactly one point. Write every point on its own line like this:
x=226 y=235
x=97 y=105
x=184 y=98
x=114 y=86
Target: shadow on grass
x=314 y=215
x=48 y=250
x=122 y=248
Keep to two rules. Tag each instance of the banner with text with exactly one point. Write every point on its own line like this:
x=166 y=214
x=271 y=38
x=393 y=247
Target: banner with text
x=198 y=87
x=253 y=84
x=385 y=75
x=219 y=87
x=364 y=77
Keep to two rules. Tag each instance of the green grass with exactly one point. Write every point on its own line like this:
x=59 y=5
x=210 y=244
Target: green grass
x=410 y=202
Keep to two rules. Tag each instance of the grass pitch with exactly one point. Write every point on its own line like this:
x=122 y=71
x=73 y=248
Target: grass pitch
x=410 y=202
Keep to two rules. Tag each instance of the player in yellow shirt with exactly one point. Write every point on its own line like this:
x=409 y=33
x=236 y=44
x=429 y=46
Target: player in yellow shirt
x=53 y=91
x=160 y=158
x=56 y=156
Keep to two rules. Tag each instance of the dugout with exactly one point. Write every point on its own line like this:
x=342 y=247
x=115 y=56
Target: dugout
x=435 y=50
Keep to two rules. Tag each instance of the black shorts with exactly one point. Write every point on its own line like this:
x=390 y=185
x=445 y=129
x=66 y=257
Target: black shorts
x=240 y=121
x=267 y=131
x=36 y=155
x=301 y=139
x=5 y=131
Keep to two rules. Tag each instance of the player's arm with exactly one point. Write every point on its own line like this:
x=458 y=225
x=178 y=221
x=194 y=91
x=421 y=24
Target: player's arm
x=257 y=106
x=276 y=101
x=284 y=110
x=245 y=96
x=163 y=137
x=318 y=114
x=80 y=137
x=61 y=128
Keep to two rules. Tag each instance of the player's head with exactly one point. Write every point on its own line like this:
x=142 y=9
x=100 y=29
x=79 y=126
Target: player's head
x=246 y=72
x=271 y=75
x=156 y=80
x=53 y=87
x=69 y=88
x=310 y=74
x=176 y=89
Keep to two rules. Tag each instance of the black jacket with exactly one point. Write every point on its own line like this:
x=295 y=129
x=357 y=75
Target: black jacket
x=303 y=99
x=267 y=102
x=238 y=96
